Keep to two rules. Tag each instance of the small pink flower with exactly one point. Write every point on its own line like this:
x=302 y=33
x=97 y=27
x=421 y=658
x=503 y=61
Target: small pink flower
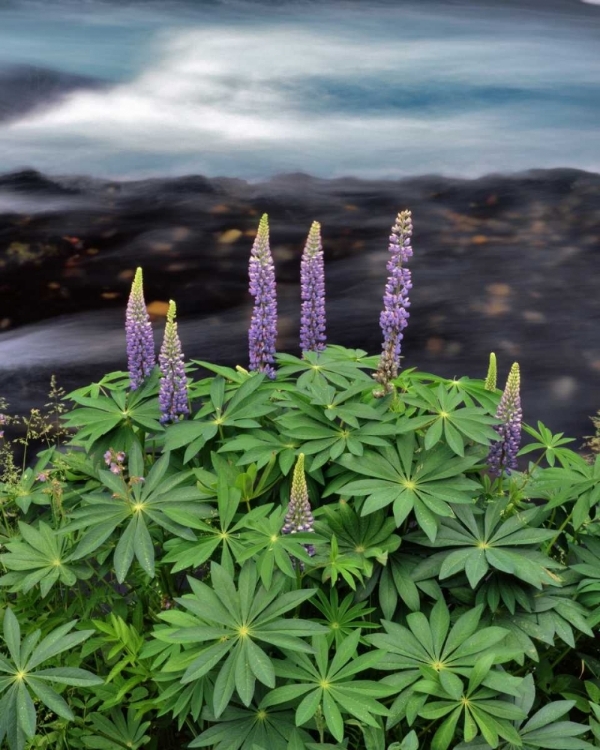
x=42 y=476
x=115 y=469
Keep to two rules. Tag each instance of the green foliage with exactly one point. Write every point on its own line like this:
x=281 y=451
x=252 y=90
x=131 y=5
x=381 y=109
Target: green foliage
x=23 y=680
x=430 y=607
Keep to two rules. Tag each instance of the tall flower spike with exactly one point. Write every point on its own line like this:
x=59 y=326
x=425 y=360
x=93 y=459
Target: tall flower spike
x=141 y=358
x=394 y=317
x=263 y=326
x=503 y=452
x=299 y=515
x=312 y=289
x=172 y=396
x=490 y=380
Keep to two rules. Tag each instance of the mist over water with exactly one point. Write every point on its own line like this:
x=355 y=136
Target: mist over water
x=254 y=89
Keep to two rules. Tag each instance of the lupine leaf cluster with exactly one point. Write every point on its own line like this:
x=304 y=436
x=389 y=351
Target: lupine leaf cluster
x=321 y=551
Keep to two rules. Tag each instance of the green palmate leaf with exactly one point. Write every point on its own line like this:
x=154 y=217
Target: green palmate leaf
x=271 y=549
x=457 y=424
x=336 y=564
x=549 y=443
x=116 y=730
x=18 y=718
x=412 y=481
x=482 y=713
x=330 y=423
x=233 y=620
x=367 y=538
x=545 y=729
x=260 y=446
x=327 y=685
x=237 y=408
x=138 y=508
x=335 y=365
x=246 y=728
x=41 y=558
x=430 y=646
x=107 y=415
x=227 y=532
x=342 y=618
x=478 y=542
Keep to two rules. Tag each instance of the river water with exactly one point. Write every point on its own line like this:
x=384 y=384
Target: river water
x=251 y=89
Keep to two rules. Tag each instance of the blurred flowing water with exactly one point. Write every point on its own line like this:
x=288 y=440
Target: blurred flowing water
x=250 y=89
x=112 y=102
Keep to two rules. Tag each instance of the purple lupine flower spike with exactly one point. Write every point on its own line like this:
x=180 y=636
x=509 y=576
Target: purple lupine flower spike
x=172 y=396
x=394 y=317
x=312 y=288
x=503 y=452
x=299 y=515
x=141 y=358
x=263 y=327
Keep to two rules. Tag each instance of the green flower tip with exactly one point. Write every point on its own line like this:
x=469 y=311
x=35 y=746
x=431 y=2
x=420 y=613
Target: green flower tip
x=513 y=382
x=171 y=312
x=263 y=226
x=260 y=249
x=492 y=373
x=299 y=516
x=299 y=487
x=137 y=281
x=314 y=239
x=299 y=469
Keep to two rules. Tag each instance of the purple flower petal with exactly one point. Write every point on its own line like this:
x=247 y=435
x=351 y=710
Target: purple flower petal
x=141 y=358
x=394 y=317
x=503 y=452
x=312 y=290
x=263 y=326
x=172 y=396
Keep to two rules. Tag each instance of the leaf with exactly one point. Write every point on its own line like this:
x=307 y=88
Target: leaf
x=56 y=642
x=445 y=733
x=260 y=664
x=68 y=676
x=50 y=698
x=225 y=684
x=12 y=636
x=548 y=714
x=124 y=551
x=308 y=707
x=26 y=717
x=333 y=717
x=245 y=680
x=206 y=661
x=143 y=546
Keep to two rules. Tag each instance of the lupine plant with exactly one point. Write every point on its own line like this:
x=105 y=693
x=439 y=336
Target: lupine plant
x=312 y=289
x=299 y=556
x=394 y=318
x=503 y=452
x=172 y=396
x=263 y=327
x=140 y=342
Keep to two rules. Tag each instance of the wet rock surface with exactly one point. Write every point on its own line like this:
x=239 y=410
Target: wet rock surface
x=509 y=264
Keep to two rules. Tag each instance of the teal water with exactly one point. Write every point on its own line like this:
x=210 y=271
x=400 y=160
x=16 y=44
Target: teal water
x=251 y=89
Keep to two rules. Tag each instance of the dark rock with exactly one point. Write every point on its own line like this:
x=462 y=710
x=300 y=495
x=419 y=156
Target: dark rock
x=507 y=263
